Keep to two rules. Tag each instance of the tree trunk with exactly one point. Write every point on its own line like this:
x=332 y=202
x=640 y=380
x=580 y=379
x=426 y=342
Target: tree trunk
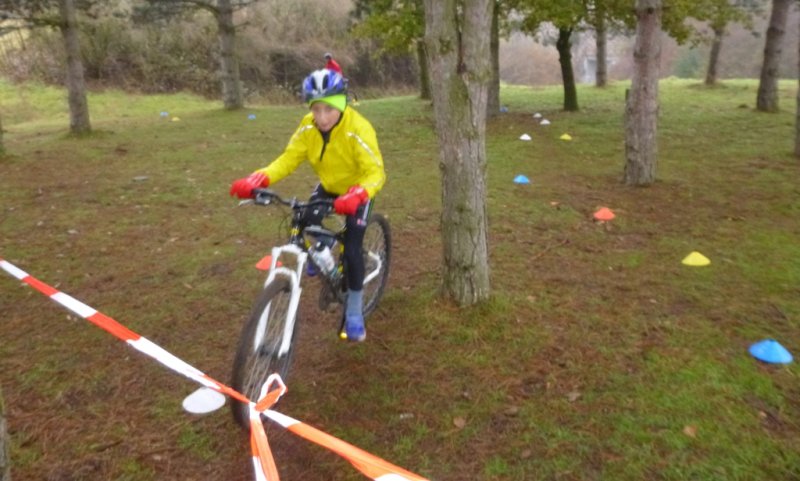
x=493 y=103
x=601 y=69
x=641 y=110
x=76 y=86
x=424 y=77
x=713 y=59
x=229 y=64
x=2 y=145
x=457 y=35
x=797 y=114
x=5 y=461
x=564 y=47
x=767 y=99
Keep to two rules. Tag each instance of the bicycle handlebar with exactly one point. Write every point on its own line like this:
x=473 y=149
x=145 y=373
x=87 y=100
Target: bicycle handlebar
x=267 y=196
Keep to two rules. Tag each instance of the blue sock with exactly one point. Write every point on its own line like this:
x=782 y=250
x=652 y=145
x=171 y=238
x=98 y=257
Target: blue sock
x=355 y=300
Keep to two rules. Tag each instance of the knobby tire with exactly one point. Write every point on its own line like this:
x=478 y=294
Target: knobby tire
x=378 y=240
x=253 y=364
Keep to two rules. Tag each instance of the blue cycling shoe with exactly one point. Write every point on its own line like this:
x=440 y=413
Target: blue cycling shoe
x=354 y=328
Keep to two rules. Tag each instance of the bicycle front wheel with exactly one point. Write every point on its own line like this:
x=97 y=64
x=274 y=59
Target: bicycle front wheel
x=377 y=256
x=259 y=351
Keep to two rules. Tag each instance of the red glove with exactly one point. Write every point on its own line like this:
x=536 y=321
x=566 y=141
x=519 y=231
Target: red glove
x=243 y=188
x=348 y=203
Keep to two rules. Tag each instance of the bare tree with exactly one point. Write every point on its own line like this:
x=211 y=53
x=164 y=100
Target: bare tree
x=641 y=110
x=601 y=42
x=767 y=99
x=222 y=11
x=424 y=77
x=232 y=96
x=76 y=86
x=564 y=47
x=59 y=14
x=457 y=35
x=797 y=115
x=5 y=461
x=493 y=102
x=713 y=58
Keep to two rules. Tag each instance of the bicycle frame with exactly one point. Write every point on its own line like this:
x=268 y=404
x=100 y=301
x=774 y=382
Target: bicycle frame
x=297 y=246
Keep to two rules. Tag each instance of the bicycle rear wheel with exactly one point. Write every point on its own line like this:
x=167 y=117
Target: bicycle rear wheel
x=377 y=257
x=257 y=354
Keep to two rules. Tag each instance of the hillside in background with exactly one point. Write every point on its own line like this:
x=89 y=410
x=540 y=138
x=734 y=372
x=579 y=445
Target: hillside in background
x=279 y=42
x=741 y=57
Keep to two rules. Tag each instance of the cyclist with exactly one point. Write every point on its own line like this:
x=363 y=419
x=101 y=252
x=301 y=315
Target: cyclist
x=342 y=148
x=332 y=64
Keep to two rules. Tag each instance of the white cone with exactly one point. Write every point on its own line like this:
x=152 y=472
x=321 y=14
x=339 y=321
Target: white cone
x=203 y=401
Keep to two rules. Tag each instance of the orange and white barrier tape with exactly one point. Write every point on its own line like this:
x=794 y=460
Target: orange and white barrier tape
x=263 y=462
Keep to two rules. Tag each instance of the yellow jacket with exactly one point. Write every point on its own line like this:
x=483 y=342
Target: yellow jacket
x=350 y=157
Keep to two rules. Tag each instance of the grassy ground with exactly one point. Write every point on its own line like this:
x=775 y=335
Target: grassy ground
x=600 y=356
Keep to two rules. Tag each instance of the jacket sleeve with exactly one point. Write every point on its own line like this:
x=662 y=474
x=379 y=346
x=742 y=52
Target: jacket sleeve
x=293 y=155
x=369 y=160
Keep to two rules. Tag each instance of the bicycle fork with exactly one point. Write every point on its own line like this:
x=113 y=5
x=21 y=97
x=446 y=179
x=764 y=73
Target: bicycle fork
x=294 y=276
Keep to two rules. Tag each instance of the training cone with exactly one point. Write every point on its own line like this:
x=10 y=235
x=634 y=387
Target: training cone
x=696 y=259
x=770 y=350
x=537 y=115
x=203 y=401
x=524 y=137
x=521 y=179
x=266 y=262
x=566 y=137
x=544 y=122
x=604 y=214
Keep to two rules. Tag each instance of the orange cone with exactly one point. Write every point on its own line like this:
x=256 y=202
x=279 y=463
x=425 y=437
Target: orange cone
x=265 y=263
x=604 y=214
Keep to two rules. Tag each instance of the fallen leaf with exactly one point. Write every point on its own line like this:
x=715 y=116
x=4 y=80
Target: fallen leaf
x=690 y=431
x=573 y=396
x=459 y=422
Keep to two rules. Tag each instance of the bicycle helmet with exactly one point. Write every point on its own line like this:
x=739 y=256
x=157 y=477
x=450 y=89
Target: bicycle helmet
x=321 y=84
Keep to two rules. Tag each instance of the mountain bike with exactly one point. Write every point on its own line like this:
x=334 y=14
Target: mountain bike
x=266 y=342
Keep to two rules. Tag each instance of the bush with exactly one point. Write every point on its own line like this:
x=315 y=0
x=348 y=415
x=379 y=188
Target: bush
x=278 y=44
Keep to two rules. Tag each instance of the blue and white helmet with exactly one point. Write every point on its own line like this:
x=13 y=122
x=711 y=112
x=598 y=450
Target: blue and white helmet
x=323 y=83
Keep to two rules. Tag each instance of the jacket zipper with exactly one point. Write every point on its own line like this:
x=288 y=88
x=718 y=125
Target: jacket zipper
x=324 y=145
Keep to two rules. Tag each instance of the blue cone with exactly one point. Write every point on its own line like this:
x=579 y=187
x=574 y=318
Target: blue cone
x=521 y=179
x=769 y=350
x=503 y=109
x=251 y=116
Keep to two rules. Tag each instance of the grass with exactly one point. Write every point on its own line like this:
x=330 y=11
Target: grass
x=599 y=356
